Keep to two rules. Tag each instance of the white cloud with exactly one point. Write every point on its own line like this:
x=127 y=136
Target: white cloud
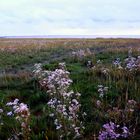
x=74 y=17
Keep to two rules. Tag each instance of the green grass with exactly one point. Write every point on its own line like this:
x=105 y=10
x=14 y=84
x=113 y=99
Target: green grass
x=85 y=80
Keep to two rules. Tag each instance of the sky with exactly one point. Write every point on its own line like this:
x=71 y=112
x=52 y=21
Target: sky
x=69 y=17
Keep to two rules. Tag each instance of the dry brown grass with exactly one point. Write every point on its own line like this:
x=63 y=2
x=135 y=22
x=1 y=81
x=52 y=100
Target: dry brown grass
x=20 y=44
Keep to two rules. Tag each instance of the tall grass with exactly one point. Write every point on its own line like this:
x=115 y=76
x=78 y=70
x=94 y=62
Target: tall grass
x=105 y=76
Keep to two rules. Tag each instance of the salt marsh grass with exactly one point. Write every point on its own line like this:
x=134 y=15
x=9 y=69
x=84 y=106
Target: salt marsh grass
x=81 y=89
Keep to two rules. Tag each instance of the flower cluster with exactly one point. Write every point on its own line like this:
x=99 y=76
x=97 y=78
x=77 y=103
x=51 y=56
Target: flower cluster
x=64 y=103
x=22 y=114
x=117 y=63
x=102 y=90
x=55 y=81
x=132 y=63
x=105 y=71
x=89 y=64
x=113 y=131
x=81 y=53
x=131 y=104
x=98 y=103
x=38 y=70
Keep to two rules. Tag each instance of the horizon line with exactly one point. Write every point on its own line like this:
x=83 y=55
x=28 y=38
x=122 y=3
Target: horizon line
x=70 y=36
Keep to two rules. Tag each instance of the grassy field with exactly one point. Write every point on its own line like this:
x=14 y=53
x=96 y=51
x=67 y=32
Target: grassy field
x=105 y=73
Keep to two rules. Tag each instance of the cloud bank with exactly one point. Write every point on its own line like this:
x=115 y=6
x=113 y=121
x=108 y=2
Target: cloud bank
x=69 y=17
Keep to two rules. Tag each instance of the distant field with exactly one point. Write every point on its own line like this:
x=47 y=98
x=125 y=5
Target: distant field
x=17 y=52
x=106 y=72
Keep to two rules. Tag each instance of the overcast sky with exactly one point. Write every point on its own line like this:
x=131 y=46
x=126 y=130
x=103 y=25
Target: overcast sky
x=69 y=17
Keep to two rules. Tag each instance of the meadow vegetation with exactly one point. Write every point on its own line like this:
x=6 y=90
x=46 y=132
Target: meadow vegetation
x=85 y=89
